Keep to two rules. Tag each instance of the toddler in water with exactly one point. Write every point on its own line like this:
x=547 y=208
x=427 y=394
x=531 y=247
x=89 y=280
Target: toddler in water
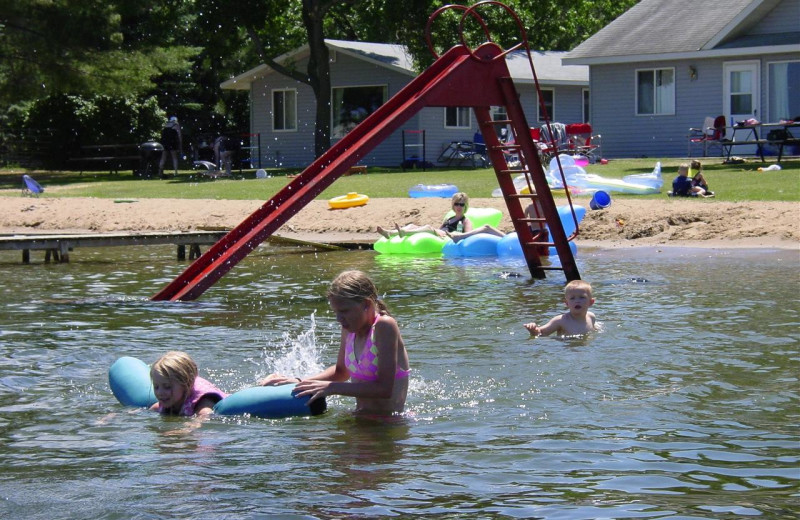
x=578 y=320
x=178 y=388
x=372 y=355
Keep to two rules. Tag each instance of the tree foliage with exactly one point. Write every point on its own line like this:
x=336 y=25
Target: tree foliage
x=178 y=52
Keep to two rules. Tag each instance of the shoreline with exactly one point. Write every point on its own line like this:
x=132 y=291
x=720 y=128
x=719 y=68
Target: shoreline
x=628 y=223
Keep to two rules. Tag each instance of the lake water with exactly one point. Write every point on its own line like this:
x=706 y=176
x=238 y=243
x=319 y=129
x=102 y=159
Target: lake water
x=685 y=406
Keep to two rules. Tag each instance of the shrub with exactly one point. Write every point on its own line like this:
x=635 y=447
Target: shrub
x=58 y=125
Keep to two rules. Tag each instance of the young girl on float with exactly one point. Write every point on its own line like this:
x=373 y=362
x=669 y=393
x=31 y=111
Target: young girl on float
x=178 y=388
x=372 y=365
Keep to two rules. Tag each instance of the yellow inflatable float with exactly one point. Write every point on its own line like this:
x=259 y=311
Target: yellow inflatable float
x=348 y=201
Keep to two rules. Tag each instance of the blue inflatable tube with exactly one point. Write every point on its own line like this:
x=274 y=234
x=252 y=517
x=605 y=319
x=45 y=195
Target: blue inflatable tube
x=130 y=383
x=419 y=191
x=509 y=246
x=482 y=244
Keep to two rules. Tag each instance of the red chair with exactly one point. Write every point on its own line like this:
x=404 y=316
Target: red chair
x=582 y=142
x=712 y=134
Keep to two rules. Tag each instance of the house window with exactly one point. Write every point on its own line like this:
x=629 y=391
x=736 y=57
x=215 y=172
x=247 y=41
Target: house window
x=655 y=92
x=499 y=114
x=784 y=90
x=586 y=112
x=549 y=100
x=457 y=117
x=351 y=105
x=284 y=110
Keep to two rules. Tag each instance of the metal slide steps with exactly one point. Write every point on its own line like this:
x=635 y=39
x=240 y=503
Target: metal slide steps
x=459 y=78
x=526 y=151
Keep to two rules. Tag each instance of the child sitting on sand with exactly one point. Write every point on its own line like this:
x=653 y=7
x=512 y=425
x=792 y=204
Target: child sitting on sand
x=683 y=186
x=178 y=388
x=696 y=169
x=578 y=320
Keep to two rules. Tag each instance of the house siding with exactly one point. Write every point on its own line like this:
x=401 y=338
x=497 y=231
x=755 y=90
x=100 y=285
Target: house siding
x=296 y=148
x=626 y=134
x=613 y=95
x=783 y=19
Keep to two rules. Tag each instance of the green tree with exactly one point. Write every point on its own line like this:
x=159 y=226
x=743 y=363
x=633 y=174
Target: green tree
x=86 y=47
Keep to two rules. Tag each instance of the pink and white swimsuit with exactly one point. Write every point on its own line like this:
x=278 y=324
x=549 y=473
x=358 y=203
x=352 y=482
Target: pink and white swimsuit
x=365 y=367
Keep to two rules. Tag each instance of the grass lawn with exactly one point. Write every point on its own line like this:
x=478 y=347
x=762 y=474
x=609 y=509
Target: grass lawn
x=730 y=182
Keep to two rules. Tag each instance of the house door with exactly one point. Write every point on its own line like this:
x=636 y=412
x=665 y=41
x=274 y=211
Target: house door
x=742 y=97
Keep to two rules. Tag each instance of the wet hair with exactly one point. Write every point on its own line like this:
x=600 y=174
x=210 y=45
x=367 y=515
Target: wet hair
x=696 y=165
x=578 y=285
x=358 y=287
x=460 y=197
x=177 y=366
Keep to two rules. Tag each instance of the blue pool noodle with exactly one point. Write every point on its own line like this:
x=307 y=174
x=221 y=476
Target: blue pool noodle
x=129 y=379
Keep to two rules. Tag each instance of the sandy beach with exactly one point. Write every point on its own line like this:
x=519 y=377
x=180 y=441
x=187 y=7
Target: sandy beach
x=625 y=223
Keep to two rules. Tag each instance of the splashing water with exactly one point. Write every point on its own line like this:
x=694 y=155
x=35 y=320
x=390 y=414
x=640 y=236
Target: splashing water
x=296 y=356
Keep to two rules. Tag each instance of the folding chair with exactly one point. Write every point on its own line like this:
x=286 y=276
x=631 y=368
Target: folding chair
x=460 y=152
x=582 y=142
x=711 y=134
x=553 y=140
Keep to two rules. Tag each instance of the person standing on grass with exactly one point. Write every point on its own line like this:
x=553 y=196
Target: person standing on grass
x=172 y=141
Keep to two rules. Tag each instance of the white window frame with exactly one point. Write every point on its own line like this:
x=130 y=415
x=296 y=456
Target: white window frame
x=461 y=113
x=288 y=126
x=551 y=114
x=654 y=72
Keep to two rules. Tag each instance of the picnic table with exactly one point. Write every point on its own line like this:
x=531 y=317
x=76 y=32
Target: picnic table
x=761 y=134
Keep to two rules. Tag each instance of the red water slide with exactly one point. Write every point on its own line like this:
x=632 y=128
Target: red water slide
x=459 y=78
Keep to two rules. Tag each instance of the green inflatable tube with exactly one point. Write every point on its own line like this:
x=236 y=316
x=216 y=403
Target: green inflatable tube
x=428 y=243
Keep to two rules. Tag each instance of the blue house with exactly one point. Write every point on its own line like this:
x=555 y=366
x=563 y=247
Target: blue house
x=364 y=76
x=663 y=67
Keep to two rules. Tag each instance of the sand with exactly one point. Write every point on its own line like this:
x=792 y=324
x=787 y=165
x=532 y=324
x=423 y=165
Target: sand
x=625 y=223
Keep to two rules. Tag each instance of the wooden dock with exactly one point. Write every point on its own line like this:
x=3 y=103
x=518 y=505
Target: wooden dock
x=57 y=247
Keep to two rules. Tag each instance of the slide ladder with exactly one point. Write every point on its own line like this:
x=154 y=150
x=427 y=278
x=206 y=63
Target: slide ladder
x=459 y=78
x=528 y=163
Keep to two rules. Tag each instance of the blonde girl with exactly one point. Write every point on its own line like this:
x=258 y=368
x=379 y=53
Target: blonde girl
x=372 y=364
x=178 y=388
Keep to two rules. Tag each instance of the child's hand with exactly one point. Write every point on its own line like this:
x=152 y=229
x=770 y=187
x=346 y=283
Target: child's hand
x=314 y=388
x=277 y=379
x=533 y=329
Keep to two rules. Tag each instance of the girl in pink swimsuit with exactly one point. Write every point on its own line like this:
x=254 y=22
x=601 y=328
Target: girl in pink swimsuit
x=372 y=365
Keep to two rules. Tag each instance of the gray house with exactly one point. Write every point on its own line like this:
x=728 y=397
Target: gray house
x=664 y=66
x=364 y=76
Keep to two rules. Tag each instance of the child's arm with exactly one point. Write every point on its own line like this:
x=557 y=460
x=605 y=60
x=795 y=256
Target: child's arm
x=204 y=406
x=550 y=327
